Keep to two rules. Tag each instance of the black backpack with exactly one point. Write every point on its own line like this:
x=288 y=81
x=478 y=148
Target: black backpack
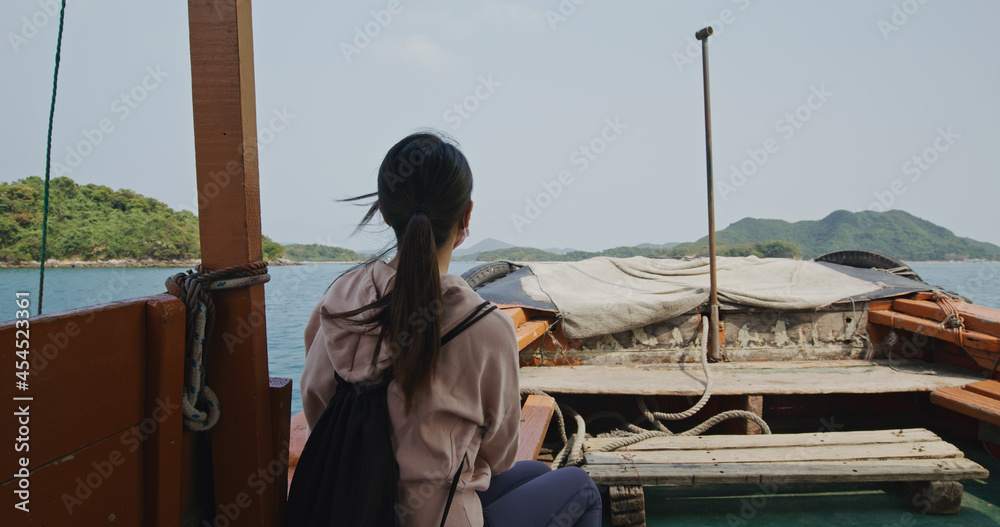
x=347 y=472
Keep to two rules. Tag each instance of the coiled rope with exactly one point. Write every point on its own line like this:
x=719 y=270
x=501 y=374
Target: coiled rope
x=572 y=450
x=201 y=405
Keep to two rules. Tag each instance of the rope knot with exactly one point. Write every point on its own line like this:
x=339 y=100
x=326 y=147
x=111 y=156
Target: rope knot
x=201 y=405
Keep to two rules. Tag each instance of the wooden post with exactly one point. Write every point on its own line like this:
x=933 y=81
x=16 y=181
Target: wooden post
x=225 y=123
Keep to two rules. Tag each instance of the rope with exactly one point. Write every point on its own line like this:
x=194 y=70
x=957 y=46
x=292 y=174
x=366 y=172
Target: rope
x=201 y=405
x=952 y=320
x=48 y=158
x=572 y=450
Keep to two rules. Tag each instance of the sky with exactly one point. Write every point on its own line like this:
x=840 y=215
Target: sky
x=583 y=120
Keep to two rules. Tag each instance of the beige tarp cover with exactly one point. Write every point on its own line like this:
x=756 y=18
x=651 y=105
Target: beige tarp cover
x=608 y=295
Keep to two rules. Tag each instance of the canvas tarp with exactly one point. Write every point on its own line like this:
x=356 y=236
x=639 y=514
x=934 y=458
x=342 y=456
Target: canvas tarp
x=609 y=295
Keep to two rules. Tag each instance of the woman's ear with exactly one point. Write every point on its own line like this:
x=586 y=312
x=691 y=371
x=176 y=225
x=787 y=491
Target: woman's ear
x=380 y=211
x=468 y=216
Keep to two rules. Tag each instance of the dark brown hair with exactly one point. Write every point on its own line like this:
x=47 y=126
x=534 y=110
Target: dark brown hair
x=424 y=191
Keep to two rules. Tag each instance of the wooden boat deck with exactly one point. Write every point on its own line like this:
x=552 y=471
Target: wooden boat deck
x=749 y=378
x=912 y=455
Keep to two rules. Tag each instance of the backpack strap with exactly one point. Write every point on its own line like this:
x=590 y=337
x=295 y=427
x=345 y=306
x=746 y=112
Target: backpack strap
x=481 y=311
x=454 y=485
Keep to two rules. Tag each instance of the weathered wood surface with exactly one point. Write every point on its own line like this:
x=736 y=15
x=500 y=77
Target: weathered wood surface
x=884 y=455
x=298 y=435
x=711 y=442
x=976 y=318
x=529 y=331
x=680 y=474
x=931 y=328
x=937 y=497
x=628 y=506
x=165 y=329
x=104 y=422
x=989 y=389
x=535 y=417
x=281 y=412
x=980 y=401
x=759 y=378
x=923 y=450
x=225 y=136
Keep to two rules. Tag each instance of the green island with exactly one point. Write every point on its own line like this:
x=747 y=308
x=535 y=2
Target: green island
x=93 y=223
x=315 y=252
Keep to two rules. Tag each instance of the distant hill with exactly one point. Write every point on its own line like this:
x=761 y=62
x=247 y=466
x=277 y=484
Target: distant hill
x=770 y=249
x=559 y=250
x=669 y=245
x=895 y=233
x=315 y=252
x=489 y=244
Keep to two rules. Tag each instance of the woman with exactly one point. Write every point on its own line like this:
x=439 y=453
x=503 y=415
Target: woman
x=451 y=406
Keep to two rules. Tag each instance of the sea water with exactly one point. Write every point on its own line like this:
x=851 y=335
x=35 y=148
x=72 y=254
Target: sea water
x=294 y=291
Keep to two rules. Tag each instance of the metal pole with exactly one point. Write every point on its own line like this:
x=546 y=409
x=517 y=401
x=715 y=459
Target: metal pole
x=713 y=299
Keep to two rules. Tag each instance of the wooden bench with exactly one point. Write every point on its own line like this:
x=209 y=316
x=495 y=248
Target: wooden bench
x=535 y=417
x=909 y=455
x=980 y=400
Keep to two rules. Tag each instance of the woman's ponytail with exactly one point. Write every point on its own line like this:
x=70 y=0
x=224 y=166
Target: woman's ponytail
x=424 y=193
x=412 y=329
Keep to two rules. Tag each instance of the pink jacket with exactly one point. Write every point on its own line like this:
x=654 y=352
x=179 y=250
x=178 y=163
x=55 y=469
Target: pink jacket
x=472 y=409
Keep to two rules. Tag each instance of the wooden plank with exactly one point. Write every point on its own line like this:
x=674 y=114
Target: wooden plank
x=980 y=318
x=165 y=326
x=530 y=331
x=299 y=434
x=924 y=450
x=921 y=308
x=711 y=442
x=972 y=339
x=744 y=378
x=976 y=318
x=788 y=472
x=516 y=314
x=101 y=484
x=225 y=124
x=87 y=376
x=535 y=417
x=989 y=389
x=281 y=415
x=968 y=403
